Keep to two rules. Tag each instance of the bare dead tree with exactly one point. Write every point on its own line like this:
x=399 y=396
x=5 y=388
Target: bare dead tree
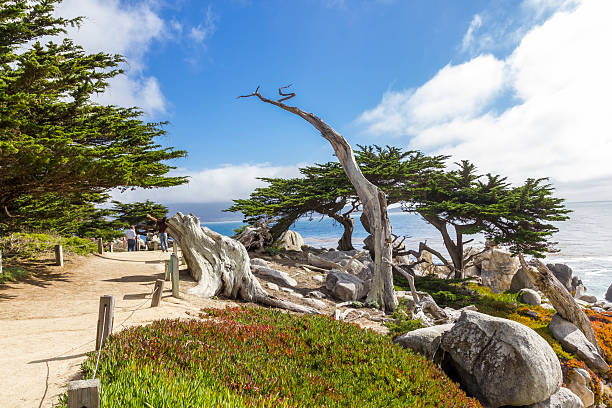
x=373 y=200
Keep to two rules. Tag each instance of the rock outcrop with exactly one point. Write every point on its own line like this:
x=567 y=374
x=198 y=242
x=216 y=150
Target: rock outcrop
x=521 y=281
x=563 y=398
x=291 y=241
x=498 y=269
x=276 y=276
x=574 y=341
x=578 y=382
x=424 y=341
x=500 y=361
x=609 y=294
x=346 y=286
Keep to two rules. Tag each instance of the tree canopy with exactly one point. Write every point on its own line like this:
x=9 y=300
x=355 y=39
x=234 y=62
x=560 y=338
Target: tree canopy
x=54 y=139
x=469 y=203
x=326 y=190
x=136 y=214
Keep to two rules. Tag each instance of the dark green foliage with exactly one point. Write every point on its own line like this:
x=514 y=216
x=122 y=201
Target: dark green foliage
x=136 y=214
x=324 y=189
x=244 y=357
x=53 y=139
x=13 y=274
x=469 y=203
x=402 y=322
x=72 y=214
x=24 y=246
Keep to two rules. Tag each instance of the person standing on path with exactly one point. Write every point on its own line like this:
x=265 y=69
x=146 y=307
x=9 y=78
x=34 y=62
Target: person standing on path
x=162 y=226
x=130 y=235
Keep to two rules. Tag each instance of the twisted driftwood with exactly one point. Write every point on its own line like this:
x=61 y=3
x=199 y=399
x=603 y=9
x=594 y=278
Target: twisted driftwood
x=221 y=265
x=560 y=298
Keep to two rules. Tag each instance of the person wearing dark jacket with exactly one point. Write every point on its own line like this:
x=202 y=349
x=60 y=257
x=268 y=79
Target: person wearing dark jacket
x=162 y=226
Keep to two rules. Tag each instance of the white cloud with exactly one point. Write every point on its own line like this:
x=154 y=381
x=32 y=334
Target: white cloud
x=204 y=31
x=468 y=38
x=559 y=126
x=114 y=27
x=454 y=92
x=134 y=90
x=130 y=30
x=217 y=185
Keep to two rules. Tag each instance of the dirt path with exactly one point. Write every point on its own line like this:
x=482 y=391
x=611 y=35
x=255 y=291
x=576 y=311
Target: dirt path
x=48 y=324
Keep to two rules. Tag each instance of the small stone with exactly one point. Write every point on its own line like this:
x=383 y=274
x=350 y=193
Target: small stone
x=317 y=294
x=272 y=286
x=318 y=278
x=297 y=295
x=563 y=398
x=288 y=290
x=531 y=297
x=319 y=304
x=588 y=298
x=260 y=262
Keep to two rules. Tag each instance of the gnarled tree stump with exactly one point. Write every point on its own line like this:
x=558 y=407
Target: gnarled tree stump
x=221 y=265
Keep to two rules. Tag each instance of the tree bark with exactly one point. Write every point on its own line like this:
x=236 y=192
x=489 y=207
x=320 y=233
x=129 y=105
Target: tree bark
x=560 y=298
x=346 y=241
x=282 y=226
x=373 y=200
x=220 y=264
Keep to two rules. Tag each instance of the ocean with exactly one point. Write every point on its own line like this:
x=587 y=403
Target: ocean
x=584 y=241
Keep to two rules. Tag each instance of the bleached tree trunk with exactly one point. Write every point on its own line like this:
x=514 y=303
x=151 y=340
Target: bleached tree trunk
x=560 y=298
x=372 y=198
x=220 y=264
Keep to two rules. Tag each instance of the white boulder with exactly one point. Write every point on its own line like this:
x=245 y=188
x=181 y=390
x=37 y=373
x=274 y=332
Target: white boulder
x=500 y=361
x=531 y=297
x=574 y=341
x=498 y=269
x=291 y=241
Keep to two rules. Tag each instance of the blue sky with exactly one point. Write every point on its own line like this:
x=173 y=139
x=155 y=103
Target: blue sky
x=510 y=85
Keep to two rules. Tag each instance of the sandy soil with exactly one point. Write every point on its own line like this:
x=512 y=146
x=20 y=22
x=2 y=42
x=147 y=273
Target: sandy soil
x=48 y=323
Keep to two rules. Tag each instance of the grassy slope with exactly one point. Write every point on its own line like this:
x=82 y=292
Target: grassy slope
x=245 y=357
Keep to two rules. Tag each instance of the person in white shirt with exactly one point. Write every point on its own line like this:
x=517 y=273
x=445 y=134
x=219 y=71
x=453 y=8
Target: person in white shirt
x=130 y=236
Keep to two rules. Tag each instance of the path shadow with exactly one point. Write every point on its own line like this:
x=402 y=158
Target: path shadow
x=4 y=296
x=57 y=358
x=137 y=278
x=135 y=296
x=41 y=274
x=156 y=261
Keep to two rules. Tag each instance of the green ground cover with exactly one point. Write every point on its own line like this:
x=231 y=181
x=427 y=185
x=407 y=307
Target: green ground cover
x=254 y=357
x=458 y=293
x=25 y=253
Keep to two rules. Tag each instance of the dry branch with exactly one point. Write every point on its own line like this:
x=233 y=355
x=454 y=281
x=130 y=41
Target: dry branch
x=560 y=298
x=373 y=199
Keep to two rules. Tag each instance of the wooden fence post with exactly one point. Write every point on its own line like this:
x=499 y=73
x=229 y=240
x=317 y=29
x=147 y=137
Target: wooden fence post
x=84 y=394
x=157 y=294
x=167 y=270
x=174 y=268
x=106 y=316
x=110 y=247
x=59 y=255
x=100 y=246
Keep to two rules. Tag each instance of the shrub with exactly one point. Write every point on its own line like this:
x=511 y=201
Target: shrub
x=13 y=274
x=28 y=246
x=253 y=357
